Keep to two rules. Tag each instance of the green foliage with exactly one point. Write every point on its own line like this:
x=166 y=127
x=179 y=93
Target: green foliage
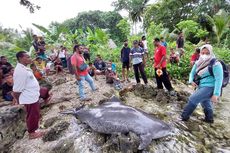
x=223 y=54
x=10 y=54
x=7 y=34
x=53 y=34
x=220 y=23
x=24 y=41
x=154 y=30
x=171 y=12
x=124 y=27
x=191 y=27
x=97 y=19
x=201 y=33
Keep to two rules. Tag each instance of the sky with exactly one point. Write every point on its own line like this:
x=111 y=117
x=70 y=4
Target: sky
x=12 y=14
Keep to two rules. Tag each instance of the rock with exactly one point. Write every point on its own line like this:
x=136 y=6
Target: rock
x=126 y=89
x=12 y=125
x=49 y=122
x=59 y=81
x=4 y=103
x=221 y=150
x=56 y=132
x=64 y=146
x=207 y=143
x=109 y=94
x=182 y=96
x=227 y=134
x=146 y=92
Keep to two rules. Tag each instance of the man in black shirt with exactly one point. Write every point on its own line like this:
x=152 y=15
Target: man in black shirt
x=5 y=65
x=125 y=51
x=180 y=41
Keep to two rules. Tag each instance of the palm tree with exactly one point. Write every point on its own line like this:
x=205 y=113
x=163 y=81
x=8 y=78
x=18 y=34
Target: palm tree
x=220 y=22
x=137 y=11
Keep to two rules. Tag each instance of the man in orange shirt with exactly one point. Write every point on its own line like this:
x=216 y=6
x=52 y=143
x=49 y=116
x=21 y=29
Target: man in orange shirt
x=81 y=71
x=160 y=65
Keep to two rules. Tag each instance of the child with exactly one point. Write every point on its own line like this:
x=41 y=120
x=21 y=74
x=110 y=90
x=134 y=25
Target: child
x=39 y=76
x=111 y=78
x=7 y=88
x=112 y=65
x=174 y=57
x=92 y=70
x=181 y=51
x=45 y=86
x=195 y=56
x=40 y=64
x=58 y=65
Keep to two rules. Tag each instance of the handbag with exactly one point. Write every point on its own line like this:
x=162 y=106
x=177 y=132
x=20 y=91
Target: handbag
x=83 y=66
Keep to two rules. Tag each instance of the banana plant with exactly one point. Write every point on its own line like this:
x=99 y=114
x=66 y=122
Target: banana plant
x=53 y=34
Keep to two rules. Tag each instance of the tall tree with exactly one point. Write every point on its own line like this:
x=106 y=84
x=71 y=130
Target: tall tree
x=171 y=12
x=96 y=19
x=135 y=8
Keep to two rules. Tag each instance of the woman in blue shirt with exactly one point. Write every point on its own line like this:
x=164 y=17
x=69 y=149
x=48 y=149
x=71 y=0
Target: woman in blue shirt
x=209 y=87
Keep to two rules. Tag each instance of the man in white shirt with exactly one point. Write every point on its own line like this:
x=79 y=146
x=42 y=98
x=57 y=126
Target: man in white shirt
x=26 y=92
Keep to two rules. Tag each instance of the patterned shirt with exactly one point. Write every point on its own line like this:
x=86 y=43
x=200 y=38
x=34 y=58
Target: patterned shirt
x=137 y=55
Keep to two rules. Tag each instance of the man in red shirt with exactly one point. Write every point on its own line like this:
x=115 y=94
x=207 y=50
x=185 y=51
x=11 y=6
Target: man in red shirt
x=160 y=64
x=81 y=71
x=195 y=56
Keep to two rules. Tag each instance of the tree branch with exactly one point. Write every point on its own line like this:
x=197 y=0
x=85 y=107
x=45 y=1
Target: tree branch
x=29 y=5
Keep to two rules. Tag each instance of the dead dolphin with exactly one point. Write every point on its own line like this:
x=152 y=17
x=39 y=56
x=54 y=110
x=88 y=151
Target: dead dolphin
x=114 y=117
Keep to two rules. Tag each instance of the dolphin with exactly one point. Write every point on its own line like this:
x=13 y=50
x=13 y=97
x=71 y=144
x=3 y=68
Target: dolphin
x=113 y=117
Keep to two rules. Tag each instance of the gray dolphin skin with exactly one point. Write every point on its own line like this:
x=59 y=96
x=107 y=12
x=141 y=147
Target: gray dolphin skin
x=113 y=117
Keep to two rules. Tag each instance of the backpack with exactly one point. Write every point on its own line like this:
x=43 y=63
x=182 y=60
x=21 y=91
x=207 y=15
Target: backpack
x=69 y=65
x=225 y=71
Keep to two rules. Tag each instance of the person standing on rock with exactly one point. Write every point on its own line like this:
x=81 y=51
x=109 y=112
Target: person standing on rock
x=160 y=67
x=81 y=70
x=26 y=92
x=208 y=86
x=125 y=51
x=138 y=59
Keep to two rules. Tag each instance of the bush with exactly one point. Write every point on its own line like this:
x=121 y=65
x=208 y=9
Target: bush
x=223 y=54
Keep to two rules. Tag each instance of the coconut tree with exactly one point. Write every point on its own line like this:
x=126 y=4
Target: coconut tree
x=135 y=9
x=220 y=23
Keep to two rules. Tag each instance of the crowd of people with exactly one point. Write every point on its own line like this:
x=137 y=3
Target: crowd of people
x=27 y=84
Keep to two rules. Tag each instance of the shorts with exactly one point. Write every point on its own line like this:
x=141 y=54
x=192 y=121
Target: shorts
x=125 y=65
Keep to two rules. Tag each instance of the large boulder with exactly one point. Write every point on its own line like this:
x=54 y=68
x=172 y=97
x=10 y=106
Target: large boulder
x=12 y=125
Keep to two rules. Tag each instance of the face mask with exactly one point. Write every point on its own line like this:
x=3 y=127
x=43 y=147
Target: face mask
x=126 y=45
x=204 y=57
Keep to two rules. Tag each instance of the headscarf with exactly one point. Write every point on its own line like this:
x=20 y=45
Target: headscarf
x=202 y=64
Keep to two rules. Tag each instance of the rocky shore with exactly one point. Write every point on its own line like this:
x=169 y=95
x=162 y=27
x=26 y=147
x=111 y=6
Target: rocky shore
x=66 y=134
